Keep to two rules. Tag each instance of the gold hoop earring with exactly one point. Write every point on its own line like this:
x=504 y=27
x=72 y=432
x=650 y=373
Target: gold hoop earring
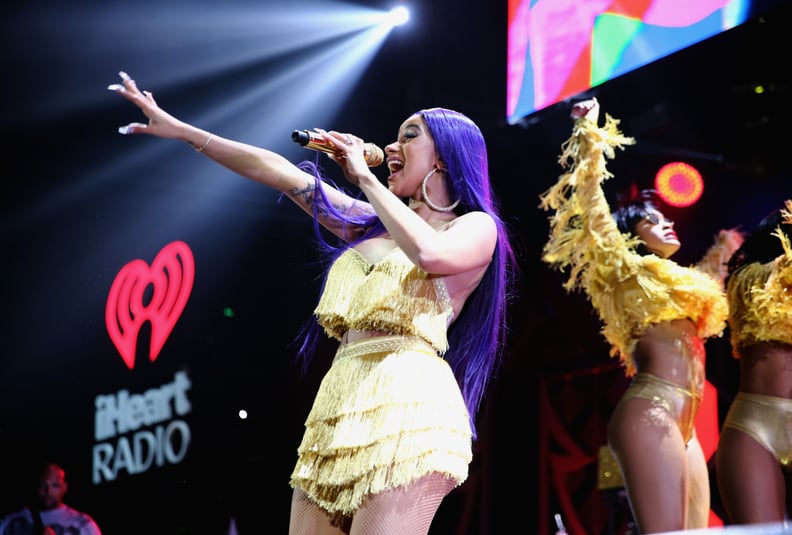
x=428 y=201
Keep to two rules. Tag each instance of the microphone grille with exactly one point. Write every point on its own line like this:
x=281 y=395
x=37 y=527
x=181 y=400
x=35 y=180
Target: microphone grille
x=374 y=155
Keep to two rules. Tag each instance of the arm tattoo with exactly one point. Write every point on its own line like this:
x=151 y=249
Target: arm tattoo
x=305 y=196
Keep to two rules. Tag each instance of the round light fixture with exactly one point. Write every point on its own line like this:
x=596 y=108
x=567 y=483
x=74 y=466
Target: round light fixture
x=679 y=184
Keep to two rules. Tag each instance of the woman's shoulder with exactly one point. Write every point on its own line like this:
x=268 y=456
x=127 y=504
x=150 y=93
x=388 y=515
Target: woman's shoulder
x=477 y=219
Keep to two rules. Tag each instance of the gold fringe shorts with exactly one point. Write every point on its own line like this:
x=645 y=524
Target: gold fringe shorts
x=766 y=419
x=388 y=412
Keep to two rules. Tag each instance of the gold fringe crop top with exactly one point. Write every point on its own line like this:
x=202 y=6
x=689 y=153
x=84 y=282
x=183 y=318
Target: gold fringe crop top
x=392 y=296
x=760 y=298
x=629 y=291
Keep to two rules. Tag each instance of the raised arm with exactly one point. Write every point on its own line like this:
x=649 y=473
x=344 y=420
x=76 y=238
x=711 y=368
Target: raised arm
x=583 y=233
x=716 y=259
x=255 y=163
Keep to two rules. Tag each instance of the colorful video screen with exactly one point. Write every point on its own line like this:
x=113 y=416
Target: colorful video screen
x=560 y=48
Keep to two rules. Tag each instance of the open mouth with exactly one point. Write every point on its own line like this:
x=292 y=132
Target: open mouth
x=395 y=165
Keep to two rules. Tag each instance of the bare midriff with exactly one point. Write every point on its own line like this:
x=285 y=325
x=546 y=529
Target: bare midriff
x=766 y=368
x=673 y=351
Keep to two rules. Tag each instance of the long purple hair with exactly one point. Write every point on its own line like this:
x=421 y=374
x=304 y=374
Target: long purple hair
x=477 y=336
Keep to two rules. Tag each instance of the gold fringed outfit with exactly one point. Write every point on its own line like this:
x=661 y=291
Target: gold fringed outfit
x=389 y=410
x=760 y=297
x=629 y=291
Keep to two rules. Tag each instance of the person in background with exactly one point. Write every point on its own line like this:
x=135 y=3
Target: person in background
x=656 y=316
x=415 y=294
x=49 y=515
x=754 y=453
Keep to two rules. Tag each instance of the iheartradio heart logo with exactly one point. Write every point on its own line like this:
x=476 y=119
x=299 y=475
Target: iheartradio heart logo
x=157 y=294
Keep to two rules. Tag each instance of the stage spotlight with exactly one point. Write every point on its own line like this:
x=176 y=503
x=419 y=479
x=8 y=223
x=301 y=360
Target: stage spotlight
x=679 y=184
x=398 y=16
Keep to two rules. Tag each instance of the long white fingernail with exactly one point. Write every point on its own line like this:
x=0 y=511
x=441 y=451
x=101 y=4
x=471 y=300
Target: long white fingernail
x=115 y=87
x=123 y=75
x=124 y=130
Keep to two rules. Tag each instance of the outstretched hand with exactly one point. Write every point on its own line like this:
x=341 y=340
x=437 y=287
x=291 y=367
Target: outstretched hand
x=160 y=124
x=348 y=150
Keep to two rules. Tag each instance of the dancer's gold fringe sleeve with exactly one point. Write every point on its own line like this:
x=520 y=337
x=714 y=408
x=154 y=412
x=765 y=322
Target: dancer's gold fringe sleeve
x=760 y=297
x=629 y=291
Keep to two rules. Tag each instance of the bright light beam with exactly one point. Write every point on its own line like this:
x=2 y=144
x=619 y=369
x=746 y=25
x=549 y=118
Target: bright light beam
x=167 y=47
x=398 y=16
x=301 y=93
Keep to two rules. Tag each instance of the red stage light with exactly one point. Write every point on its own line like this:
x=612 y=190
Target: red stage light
x=679 y=184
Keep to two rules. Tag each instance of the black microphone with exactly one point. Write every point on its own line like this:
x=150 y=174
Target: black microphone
x=312 y=140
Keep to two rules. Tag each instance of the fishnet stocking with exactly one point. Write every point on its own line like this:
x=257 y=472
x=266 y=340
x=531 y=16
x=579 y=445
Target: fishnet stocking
x=406 y=510
x=307 y=518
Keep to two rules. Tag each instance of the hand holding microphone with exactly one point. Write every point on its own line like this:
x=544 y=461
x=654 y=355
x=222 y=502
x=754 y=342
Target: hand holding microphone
x=313 y=140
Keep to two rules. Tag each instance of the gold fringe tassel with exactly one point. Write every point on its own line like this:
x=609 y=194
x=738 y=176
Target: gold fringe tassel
x=382 y=420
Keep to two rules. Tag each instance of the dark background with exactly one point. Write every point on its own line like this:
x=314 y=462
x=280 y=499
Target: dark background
x=79 y=201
